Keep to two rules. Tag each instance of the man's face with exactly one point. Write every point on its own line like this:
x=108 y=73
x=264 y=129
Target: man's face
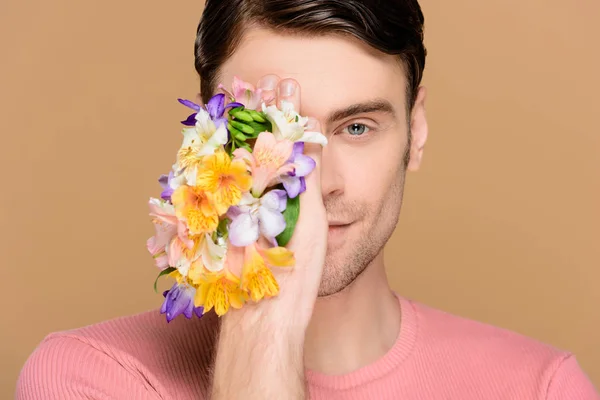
x=363 y=164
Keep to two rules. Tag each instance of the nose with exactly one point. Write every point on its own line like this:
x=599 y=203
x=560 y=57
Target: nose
x=331 y=175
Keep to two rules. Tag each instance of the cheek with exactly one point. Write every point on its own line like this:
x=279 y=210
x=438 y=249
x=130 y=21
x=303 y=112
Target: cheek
x=371 y=171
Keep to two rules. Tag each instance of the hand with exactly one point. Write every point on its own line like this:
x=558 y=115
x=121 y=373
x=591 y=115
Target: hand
x=262 y=345
x=299 y=287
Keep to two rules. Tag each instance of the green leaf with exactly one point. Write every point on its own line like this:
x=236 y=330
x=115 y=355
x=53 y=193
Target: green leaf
x=163 y=272
x=291 y=213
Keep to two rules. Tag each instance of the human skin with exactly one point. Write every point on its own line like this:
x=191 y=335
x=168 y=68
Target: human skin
x=335 y=312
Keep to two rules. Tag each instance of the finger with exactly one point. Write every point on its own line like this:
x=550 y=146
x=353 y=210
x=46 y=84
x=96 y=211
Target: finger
x=311 y=230
x=289 y=90
x=313 y=125
x=268 y=85
x=313 y=179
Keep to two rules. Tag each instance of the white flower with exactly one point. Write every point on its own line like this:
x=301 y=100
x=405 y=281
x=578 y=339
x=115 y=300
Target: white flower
x=255 y=216
x=288 y=124
x=198 y=141
x=213 y=254
x=209 y=254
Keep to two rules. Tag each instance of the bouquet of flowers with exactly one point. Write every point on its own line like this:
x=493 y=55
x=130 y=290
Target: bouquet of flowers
x=231 y=201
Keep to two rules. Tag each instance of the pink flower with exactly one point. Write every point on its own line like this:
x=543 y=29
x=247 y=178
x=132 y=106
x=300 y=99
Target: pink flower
x=169 y=231
x=268 y=161
x=245 y=93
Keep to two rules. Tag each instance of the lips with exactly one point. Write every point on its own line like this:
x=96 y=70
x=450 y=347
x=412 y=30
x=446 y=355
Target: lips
x=338 y=223
x=338 y=228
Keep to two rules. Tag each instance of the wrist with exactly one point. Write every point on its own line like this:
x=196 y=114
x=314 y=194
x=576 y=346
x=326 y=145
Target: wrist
x=266 y=318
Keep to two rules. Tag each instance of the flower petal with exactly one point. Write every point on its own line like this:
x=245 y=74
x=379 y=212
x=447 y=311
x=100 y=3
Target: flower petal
x=190 y=120
x=298 y=149
x=178 y=301
x=233 y=212
x=279 y=257
x=243 y=230
x=162 y=262
x=292 y=185
x=271 y=223
x=304 y=165
x=234 y=104
x=281 y=197
x=213 y=254
x=313 y=137
x=218 y=138
x=164 y=180
x=205 y=126
x=189 y=104
x=216 y=105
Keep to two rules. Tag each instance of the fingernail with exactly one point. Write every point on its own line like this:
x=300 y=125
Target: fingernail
x=287 y=88
x=268 y=82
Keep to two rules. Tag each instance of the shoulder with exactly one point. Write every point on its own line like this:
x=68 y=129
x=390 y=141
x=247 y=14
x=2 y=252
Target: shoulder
x=481 y=351
x=129 y=357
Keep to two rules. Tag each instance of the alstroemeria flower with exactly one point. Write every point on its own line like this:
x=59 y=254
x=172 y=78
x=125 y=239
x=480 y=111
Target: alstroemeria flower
x=220 y=290
x=212 y=258
x=165 y=182
x=180 y=300
x=294 y=182
x=195 y=207
x=254 y=216
x=225 y=178
x=215 y=107
x=244 y=93
x=257 y=278
x=169 y=231
x=181 y=256
x=201 y=140
x=288 y=124
x=267 y=161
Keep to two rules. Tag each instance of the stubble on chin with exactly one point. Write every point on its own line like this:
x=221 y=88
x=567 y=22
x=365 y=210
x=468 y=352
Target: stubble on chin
x=344 y=265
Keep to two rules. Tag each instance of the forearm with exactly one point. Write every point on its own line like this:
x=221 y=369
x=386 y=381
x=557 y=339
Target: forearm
x=259 y=356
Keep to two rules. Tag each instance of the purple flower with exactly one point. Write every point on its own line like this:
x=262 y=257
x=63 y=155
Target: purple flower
x=165 y=182
x=253 y=217
x=294 y=182
x=180 y=300
x=215 y=107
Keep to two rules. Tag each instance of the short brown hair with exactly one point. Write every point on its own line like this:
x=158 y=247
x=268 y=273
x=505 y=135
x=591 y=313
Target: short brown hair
x=393 y=27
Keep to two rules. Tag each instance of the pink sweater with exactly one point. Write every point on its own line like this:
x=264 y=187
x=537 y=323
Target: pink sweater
x=436 y=356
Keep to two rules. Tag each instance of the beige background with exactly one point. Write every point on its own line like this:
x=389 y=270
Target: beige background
x=501 y=225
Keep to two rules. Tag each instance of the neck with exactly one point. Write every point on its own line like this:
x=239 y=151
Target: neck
x=354 y=327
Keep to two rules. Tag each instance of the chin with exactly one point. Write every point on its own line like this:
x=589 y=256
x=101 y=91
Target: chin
x=340 y=272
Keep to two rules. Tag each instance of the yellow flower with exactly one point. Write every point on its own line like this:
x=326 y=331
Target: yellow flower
x=195 y=206
x=219 y=290
x=224 y=178
x=196 y=271
x=257 y=278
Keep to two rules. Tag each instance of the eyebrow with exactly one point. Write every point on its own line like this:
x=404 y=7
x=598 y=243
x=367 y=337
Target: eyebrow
x=375 y=105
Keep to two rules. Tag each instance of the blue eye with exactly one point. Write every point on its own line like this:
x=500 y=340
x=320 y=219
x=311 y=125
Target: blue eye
x=357 y=129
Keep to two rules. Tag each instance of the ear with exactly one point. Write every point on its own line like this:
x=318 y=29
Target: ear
x=419 y=130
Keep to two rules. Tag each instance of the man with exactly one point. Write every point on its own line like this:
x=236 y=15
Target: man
x=336 y=330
